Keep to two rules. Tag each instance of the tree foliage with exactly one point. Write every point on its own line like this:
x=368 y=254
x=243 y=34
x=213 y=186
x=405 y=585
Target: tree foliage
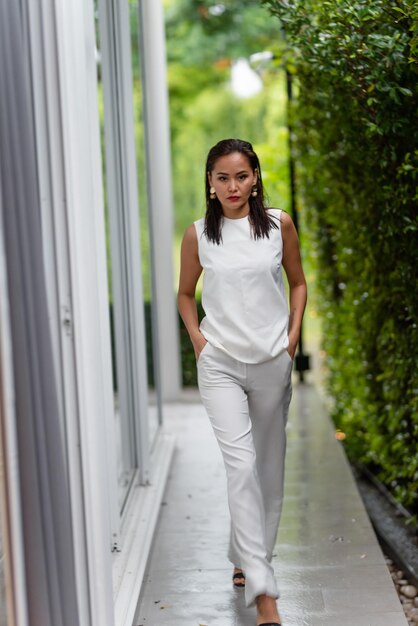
x=356 y=124
x=203 y=40
x=201 y=32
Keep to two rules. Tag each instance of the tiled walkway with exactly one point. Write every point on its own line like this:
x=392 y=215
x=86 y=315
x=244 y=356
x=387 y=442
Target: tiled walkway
x=329 y=566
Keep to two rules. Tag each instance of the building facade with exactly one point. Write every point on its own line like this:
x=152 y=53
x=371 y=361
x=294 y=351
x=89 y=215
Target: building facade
x=89 y=350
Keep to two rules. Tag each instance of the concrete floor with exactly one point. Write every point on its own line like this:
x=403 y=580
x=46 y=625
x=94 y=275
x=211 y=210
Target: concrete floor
x=329 y=566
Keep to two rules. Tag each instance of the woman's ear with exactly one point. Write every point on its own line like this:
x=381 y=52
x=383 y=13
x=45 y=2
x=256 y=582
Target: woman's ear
x=255 y=176
x=210 y=178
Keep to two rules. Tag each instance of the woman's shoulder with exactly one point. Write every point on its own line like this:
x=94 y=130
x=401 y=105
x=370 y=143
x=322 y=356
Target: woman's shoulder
x=198 y=226
x=190 y=231
x=194 y=230
x=273 y=212
x=200 y=221
x=279 y=214
x=276 y=214
x=190 y=241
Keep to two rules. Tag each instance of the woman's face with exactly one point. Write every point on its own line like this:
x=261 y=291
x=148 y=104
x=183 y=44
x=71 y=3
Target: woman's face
x=233 y=179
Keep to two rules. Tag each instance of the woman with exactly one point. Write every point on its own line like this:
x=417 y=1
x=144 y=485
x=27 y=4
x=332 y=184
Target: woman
x=244 y=348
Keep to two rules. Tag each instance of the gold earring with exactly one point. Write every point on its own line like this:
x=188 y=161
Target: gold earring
x=254 y=191
x=212 y=193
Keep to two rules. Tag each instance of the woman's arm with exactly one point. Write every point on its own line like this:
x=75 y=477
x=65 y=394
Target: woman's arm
x=298 y=290
x=190 y=271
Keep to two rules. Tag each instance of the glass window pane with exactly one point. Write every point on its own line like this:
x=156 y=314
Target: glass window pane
x=154 y=411
x=125 y=449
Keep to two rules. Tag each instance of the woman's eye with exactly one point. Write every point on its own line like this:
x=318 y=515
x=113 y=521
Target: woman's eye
x=243 y=177
x=222 y=178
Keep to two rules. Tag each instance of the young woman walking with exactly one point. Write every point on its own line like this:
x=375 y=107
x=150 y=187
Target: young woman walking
x=244 y=348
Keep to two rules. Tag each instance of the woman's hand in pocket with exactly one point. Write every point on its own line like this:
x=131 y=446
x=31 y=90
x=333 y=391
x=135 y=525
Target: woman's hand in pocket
x=291 y=348
x=198 y=346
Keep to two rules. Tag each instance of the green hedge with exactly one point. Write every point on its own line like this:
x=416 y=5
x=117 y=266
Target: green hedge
x=356 y=128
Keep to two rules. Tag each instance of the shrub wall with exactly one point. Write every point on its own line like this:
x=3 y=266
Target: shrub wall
x=356 y=128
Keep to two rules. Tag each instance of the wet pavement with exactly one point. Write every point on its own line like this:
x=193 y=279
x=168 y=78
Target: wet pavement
x=329 y=566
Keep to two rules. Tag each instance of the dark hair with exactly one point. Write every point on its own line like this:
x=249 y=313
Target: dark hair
x=261 y=222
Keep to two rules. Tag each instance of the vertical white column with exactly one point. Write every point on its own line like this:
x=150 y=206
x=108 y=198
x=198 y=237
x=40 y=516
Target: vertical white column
x=160 y=195
x=88 y=321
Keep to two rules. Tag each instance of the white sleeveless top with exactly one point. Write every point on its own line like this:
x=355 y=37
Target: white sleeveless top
x=246 y=310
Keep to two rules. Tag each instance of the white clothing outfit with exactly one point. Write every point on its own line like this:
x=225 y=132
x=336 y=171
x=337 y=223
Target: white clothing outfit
x=244 y=377
x=247 y=405
x=246 y=312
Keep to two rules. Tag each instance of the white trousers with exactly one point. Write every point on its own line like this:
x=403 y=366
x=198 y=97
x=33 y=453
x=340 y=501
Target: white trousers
x=247 y=405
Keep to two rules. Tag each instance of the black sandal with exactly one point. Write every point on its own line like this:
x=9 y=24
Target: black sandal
x=238 y=585
x=270 y=624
